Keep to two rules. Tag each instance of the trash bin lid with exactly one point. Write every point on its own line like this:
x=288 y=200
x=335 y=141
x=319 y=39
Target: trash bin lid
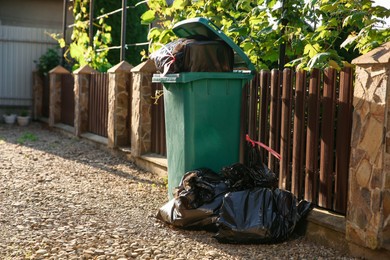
x=195 y=27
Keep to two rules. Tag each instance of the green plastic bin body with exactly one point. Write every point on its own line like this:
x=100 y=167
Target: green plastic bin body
x=202 y=109
x=202 y=119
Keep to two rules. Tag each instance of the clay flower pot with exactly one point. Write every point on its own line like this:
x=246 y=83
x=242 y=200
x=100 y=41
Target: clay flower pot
x=23 y=120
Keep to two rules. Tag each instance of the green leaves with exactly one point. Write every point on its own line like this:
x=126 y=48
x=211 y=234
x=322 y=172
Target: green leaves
x=81 y=50
x=311 y=50
x=244 y=5
x=351 y=39
x=271 y=3
x=148 y=17
x=319 y=33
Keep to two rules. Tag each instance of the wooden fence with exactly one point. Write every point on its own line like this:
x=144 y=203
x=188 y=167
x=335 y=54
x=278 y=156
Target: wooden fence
x=307 y=118
x=98 y=104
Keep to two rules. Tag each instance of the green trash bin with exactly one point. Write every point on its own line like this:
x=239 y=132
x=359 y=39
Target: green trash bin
x=202 y=110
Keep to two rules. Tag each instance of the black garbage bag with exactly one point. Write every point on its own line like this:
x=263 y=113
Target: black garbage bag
x=198 y=187
x=260 y=215
x=188 y=55
x=165 y=57
x=197 y=201
x=204 y=217
x=253 y=173
x=253 y=156
x=191 y=58
x=241 y=177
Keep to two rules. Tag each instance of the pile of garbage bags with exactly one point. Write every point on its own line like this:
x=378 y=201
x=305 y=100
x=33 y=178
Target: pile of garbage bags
x=242 y=204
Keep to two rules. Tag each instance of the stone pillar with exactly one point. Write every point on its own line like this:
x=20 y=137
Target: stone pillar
x=368 y=215
x=118 y=105
x=37 y=90
x=141 y=108
x=81 y=92
x=55 y=94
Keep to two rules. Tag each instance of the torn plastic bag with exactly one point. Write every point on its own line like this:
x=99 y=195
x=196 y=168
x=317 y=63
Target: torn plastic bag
x=241 y=177
x=261 y=215
x=204 y=217
x=198 y=187
x=191 y=55
x=197 y=200
x=165 y=56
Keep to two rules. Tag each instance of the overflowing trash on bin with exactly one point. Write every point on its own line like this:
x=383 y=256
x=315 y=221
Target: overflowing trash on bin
x=202 y=73
x=241 y=203
x=188 y=55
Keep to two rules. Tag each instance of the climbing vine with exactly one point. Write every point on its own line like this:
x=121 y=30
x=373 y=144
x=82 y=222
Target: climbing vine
x=81 y=51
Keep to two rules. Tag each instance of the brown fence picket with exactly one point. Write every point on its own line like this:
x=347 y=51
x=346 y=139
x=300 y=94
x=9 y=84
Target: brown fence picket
x=158 y=143
x=278 y=118
x=298 y=135
x=67 y=99
x=311 y=176
x=327 y=136
x=264 y=85
x=285 y=130
x=252 y=106
x=274 y=125
x=344 y=122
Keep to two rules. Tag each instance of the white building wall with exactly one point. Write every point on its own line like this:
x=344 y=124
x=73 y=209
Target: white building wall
x=19 y=48
x=24 y=25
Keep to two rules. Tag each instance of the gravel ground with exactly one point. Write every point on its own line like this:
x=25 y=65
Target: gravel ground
x=62 y=198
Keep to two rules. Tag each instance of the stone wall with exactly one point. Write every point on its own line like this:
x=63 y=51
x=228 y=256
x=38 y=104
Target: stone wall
x=368 y=216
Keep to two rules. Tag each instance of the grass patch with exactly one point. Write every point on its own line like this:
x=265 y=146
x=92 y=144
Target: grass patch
x=27 y=137
x=165 y=181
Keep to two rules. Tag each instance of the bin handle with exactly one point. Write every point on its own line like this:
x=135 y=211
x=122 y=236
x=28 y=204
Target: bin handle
x=269 y=149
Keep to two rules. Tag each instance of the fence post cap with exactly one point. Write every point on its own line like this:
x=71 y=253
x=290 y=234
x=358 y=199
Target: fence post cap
x=84 y=70
x=59 y=70
x=146 y=66
x=122 y=66
x=380 y=55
